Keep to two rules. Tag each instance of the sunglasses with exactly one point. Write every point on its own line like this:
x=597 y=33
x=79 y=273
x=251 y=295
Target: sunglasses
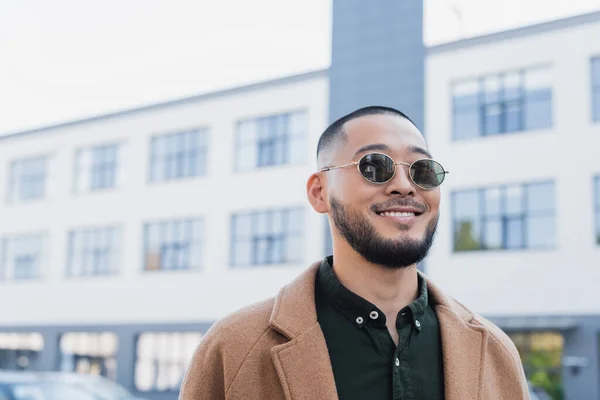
x=379 y=168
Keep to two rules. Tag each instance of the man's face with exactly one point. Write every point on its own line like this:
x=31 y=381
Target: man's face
x=390 y=224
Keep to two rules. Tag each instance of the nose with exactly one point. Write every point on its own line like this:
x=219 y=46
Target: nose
x=400 y=183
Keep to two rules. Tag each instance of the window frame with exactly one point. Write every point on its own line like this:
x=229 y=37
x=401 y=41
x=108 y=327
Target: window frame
x=283 y=236
x=481 y=104
x=11 y=195
x=184 y=359
x=117 y=148
x=41 y=256
x=115 y=235
x=193 y=244
x=173 y=152
x=595 y=89
x=524 y=217
x=274 y=140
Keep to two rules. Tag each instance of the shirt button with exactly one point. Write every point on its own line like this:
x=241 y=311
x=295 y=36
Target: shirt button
x=359 y=320
x=417 y=323
x=397 y=362
x=374 y=315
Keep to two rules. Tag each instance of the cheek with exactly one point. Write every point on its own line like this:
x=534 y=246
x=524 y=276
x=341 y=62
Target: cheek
x=433 y=200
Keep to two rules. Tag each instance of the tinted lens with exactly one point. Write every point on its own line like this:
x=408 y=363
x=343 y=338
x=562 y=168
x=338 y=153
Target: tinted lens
x=377 y=168
x=427 y=173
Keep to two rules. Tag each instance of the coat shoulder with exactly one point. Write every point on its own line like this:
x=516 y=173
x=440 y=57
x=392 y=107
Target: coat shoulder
x=498 y=335
x=223 y=350
x=243 y=326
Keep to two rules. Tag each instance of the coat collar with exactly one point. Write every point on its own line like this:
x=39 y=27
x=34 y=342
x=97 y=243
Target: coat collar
x=305 y=357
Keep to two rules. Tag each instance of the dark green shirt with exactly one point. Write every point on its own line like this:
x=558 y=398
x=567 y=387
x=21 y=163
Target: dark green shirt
x=366 y=363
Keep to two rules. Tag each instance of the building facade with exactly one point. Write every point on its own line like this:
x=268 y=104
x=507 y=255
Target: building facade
x=125 y=236
x=514 y=117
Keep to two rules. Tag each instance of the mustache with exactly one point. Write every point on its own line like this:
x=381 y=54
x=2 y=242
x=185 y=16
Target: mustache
x=407 y=202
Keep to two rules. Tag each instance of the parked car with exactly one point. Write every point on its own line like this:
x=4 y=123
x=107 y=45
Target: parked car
x=59 y=386
x=23 y=386
x=101 y=387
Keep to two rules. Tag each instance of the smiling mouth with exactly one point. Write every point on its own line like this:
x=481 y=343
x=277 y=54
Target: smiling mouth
x=399 y=214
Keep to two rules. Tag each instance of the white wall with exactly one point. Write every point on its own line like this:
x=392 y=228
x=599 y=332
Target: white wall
x=134 y=295
x=567 y=278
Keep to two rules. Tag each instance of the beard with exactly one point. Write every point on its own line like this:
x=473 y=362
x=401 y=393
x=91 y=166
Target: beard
x=364 y=239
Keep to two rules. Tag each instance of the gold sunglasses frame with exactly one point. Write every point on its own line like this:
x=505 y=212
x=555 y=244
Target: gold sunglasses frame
x=357 y=163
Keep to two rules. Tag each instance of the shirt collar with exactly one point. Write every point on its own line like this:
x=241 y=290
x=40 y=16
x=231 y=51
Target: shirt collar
x=361 y=311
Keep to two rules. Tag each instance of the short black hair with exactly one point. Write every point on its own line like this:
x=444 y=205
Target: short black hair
x=335 y=131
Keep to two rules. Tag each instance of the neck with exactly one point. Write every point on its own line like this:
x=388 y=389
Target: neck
x=390 y=289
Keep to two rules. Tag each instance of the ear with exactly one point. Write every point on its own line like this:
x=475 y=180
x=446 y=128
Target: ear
x=315 y=190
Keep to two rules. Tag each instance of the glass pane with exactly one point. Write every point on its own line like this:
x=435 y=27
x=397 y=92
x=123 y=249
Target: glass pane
x=512 y=86
x=598 y=226
x=595 y=68
x=514 y=234
x=491 y=89
x=493 y=234
x=540 y=78
x=538 y=109
x=493 y=202
x=295 y=220
x=466 y=124
x=492 y=117
x=294 y=249
x=541 y=231
x=596 y=104
x=466 y=204
x=242 y=225
x=278 y=221
x=246 y=157
x=597 y=191
x=242 y=252
x=514 y=200
x=262 y=221
x=246 y=133
x=540 y=197
x=465 y=94
x=467 y=235
x=513 y=114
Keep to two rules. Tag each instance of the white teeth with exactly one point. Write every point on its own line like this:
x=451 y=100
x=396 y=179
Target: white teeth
x=397 y=214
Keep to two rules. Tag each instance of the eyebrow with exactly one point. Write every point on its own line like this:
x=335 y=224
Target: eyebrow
x=385 y=147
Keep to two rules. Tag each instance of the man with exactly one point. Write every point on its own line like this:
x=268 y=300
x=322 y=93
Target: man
x=364 y=323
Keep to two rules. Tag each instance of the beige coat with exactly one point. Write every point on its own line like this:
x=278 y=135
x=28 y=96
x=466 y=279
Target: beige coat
x=276 y=350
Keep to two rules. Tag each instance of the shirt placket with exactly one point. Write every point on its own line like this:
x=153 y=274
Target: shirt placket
x=401 y=382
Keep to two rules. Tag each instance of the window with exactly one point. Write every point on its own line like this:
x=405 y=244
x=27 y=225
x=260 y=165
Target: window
x=597 y=207
x=96 y=168
x=505 y=217
x=595 y=64
x=173 y=245
x=268 y=141
x=19 y=351
x=267 y=237
x=93 y=251
x=496 y=104
x=178 y=155
x=162 y=359
x=541 y=354
x=93 y=353
x=28 y=179
x=22 y=257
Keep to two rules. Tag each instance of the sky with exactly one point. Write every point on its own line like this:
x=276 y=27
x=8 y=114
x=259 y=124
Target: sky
x=67 y=59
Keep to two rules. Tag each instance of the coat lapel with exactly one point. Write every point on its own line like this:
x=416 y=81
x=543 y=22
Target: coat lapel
x=302 y=364
x=304 y=368
x=463 y=348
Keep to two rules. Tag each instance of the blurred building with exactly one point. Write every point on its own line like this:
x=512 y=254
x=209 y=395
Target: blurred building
x=125 y=236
